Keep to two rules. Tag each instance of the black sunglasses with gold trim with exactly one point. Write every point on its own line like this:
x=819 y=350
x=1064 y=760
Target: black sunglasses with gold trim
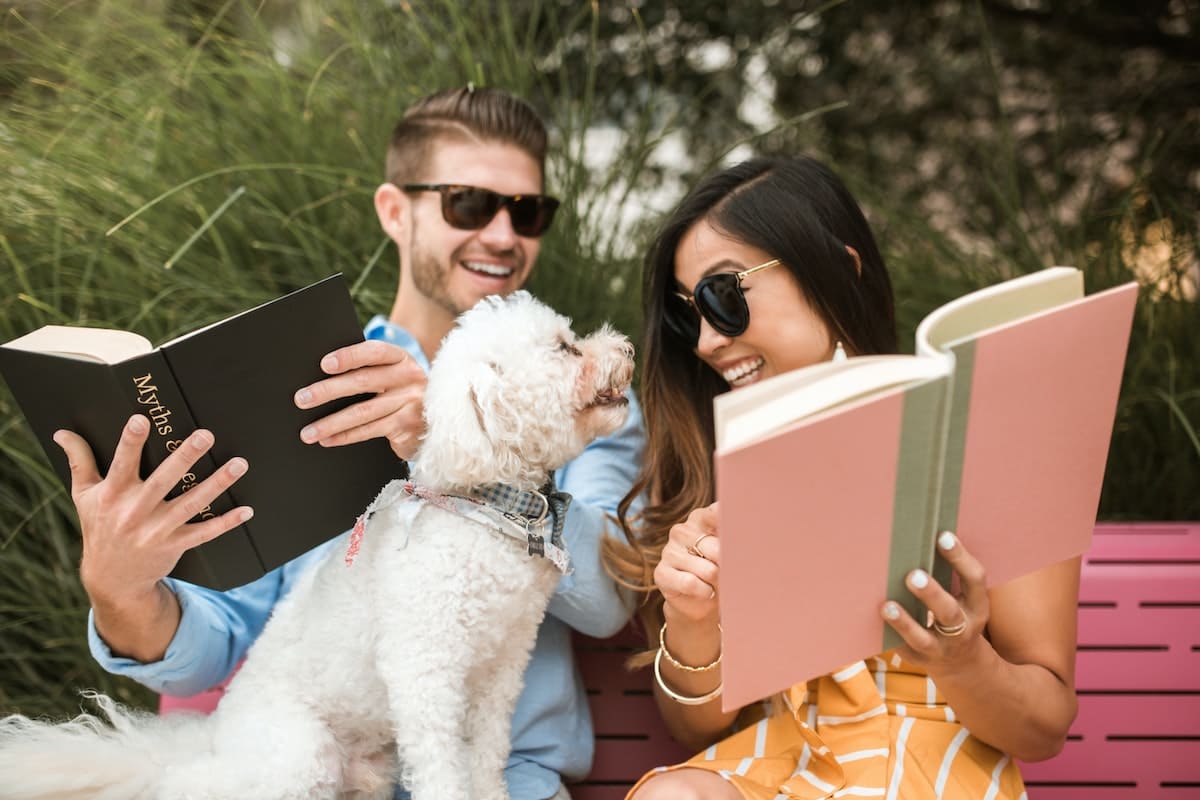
x=470 y=208
x=718 y=298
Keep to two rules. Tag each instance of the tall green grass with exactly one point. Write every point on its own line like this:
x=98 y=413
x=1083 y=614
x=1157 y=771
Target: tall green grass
x=160 y=171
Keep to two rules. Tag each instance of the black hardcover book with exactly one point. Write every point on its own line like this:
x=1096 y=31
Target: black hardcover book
x=236 y=378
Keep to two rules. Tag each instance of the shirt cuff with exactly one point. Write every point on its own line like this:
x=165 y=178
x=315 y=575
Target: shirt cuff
x=179 y=667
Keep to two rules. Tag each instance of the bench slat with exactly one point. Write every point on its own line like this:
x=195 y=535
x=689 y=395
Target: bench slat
x=1145 y=764
x=1102 y=715
x=1175 y=541
x=1115 y=670
x=1135 y=584
x=1092 y=791
x=1140 y=625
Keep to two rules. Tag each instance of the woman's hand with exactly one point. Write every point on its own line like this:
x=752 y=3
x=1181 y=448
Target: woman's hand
x=1014 y=689
x=687 y=574
x=688 y=577
x=959 y=620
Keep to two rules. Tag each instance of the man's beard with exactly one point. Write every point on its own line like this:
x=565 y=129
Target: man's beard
x=431 y=276
x=432 y=280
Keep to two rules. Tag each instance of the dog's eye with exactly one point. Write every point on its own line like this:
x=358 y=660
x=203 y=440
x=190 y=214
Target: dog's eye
x=566 y=347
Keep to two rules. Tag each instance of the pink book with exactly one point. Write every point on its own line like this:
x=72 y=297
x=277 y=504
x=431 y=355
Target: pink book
x=833 y=481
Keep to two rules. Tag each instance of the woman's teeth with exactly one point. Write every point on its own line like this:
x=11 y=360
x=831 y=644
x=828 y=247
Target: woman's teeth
x=743 y=372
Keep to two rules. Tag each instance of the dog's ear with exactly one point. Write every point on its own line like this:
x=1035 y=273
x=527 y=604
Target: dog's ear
x=472 y=433
x=499 y=420
x=483 y=393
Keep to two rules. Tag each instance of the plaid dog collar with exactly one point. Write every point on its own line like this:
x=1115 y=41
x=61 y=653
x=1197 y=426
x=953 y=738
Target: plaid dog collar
x=525 y=516
x=529 y=508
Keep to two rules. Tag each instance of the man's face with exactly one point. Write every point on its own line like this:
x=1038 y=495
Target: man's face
x=456 y=268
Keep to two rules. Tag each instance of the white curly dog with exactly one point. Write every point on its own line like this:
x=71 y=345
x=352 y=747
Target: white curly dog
x=399 y=657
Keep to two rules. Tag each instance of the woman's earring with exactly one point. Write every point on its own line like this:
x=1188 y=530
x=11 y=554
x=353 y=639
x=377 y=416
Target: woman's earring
x=839 y=353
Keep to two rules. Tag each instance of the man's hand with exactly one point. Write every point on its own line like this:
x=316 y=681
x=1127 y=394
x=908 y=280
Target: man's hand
x=394 y=413
x=133 y=536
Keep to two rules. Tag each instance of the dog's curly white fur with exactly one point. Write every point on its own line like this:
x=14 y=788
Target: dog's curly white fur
x=413 y=654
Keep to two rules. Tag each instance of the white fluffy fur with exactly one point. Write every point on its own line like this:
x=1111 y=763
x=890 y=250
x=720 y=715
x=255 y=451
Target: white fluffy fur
x=417 y=648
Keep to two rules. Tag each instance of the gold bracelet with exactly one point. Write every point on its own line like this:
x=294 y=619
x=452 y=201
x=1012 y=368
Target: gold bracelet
x=682 y=699
x=662 y=646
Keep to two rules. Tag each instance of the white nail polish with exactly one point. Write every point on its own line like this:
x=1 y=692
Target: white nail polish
x=947 y=540
x=891 y=611
x=919 y=579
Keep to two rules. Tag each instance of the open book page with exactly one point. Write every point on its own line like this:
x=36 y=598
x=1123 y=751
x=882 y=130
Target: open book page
x=1031 y=415
x=997 y=305
x=104 y=345
x=748 y=414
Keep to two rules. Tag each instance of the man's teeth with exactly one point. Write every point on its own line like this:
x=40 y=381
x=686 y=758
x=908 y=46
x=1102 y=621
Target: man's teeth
x=494 y=270
x=742 y=371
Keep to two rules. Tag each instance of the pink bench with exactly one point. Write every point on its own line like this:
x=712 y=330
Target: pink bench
x=1137 y=672
x=1138 y=677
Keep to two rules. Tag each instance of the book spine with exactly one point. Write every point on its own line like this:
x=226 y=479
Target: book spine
x=954 y=435
x=914 y=521
x=149 y=382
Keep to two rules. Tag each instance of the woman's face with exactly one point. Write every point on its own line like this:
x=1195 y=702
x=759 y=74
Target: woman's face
x=784 y=332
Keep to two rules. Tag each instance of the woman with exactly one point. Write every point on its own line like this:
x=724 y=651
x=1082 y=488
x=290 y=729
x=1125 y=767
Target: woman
x=767 y=267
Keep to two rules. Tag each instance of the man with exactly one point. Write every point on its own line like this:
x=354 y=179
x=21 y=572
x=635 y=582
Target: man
x=463 y=204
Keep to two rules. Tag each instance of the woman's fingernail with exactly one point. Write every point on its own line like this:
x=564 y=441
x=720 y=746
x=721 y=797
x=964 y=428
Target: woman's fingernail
x=918 y=579
x=303 y=397
x=947 y=540
x=891 y=611
x=238 y=466
x=245 y=513
x=200 y=440
x=329 y=363
x=309 y=434
x=138 y=424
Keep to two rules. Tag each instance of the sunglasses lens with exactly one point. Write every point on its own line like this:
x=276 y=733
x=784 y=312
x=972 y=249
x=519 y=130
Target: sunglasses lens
x=531 y=216
x=470 y=209
x=681 y=320
x=720 y=300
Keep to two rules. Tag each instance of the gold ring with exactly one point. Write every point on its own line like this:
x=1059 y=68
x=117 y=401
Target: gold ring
x=694 y=547
x=953 y=630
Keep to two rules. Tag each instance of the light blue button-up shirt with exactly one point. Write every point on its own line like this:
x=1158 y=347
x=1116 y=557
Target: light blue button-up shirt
x=552 y=727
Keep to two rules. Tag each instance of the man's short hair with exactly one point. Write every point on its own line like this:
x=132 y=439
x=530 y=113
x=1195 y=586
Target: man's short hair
x=466 y=114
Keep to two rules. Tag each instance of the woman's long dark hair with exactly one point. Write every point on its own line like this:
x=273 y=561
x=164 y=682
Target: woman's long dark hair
x=796 y=210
